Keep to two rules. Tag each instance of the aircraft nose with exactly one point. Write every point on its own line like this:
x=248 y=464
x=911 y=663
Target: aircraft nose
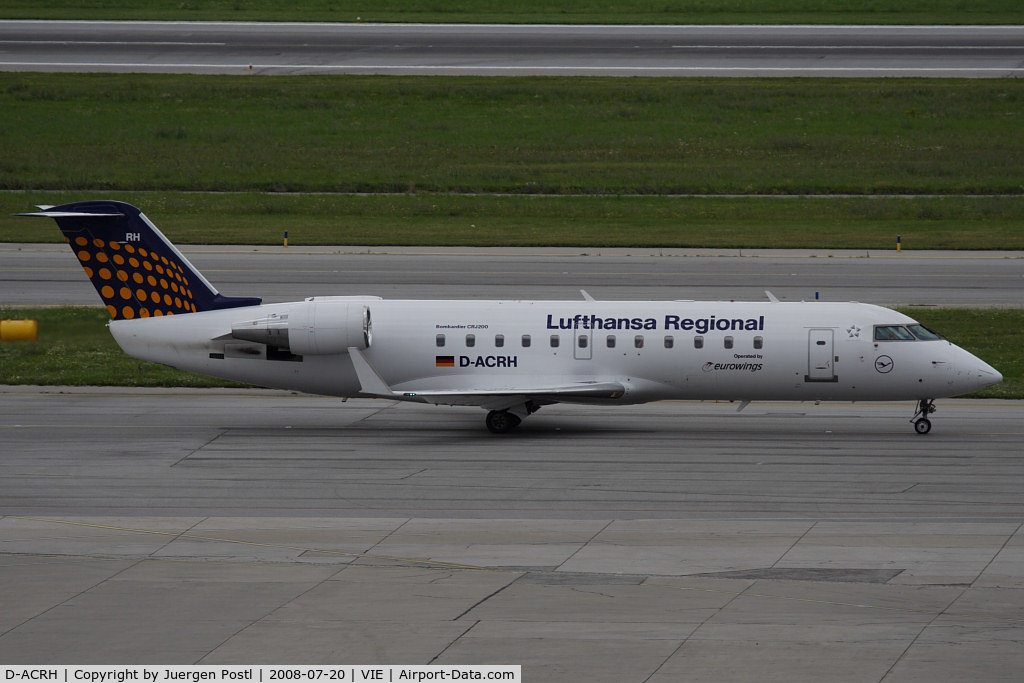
x=989 y=374
x=982 y=375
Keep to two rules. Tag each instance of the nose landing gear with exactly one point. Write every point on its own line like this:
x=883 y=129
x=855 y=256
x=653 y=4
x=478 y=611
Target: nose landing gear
x=922 y=425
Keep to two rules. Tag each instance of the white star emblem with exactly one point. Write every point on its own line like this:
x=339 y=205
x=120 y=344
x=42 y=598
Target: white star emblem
x=853 y=331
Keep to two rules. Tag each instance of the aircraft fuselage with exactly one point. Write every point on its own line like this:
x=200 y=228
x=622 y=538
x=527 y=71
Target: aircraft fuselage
x=744 y=351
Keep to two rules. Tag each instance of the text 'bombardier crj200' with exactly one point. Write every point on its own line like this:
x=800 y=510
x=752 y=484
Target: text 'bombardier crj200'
x=508 y=357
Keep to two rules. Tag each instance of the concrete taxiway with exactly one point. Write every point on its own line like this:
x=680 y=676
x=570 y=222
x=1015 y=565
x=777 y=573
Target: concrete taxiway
x=674 y=541
x=464 y=49
x=46 y=274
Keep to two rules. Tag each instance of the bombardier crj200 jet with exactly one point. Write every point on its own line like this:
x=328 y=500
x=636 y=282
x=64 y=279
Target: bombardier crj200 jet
x=508 y=357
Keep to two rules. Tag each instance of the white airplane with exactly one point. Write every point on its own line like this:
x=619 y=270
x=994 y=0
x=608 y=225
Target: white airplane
x=508 y=357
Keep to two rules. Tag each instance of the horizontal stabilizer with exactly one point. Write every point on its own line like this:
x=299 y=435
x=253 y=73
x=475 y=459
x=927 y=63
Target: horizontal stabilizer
x=45 y=213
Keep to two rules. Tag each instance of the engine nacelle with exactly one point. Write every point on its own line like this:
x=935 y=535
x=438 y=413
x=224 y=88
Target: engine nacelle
x=314 y=327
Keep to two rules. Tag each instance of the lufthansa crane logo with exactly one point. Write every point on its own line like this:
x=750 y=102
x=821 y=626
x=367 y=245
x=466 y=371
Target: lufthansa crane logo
x=883 y=364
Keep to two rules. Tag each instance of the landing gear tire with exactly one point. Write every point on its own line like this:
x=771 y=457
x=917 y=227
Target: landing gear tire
x=502 y=421
x=922 y=425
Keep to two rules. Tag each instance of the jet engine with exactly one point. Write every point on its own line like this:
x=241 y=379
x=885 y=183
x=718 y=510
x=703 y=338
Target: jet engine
x=317 y=326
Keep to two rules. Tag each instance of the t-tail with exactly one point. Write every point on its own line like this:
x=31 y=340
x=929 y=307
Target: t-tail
x=135 y=269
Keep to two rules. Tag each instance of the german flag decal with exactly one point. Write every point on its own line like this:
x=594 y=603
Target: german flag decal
x=444 y=361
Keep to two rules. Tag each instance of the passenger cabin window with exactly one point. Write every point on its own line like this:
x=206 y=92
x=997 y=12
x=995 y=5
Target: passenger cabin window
x=470 y=340
x=758 y=342
x=728 y=342
x=582 y=341
x=610 y=341
x=669 y=341
x=554 y=341
x=638 y=341
x=526 y=341
x=698 y=342
x=499 y=340
x=440 y=340
x=892 y=333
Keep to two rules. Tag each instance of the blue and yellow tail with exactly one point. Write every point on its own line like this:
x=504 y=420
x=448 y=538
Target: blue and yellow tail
x=134 y=267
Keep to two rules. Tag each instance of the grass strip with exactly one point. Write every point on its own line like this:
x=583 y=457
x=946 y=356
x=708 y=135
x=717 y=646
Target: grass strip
x=76 y=349
x=531 y=11
x=584 y=161
x=487 y=220
x=378 y=134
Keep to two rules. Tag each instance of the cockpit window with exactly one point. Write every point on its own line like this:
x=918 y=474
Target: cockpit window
x=923 y=333
x=892 y=333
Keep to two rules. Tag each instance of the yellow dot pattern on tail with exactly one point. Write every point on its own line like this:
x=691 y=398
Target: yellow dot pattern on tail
x=133 y=281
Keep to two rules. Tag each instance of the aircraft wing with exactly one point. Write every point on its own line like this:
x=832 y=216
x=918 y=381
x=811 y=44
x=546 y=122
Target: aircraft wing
x=492 y=393
x=501 y=399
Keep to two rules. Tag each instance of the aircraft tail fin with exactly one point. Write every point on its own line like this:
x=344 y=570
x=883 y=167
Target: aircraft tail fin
x=135 y=269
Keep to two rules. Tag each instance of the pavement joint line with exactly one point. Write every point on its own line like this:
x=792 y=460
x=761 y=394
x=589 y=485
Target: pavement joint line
x=138 y=560
x=997 y=553
x=177 y=537
x=585 y=544
x=794 y=544
x=920 y=632
x=194 y=537
x=390 y=533
x=838 y=603
x=456 y=638
x=689 y=636
x=70 y=599
x=218 y=433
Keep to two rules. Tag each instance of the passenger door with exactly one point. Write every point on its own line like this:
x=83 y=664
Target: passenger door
x=820 y=356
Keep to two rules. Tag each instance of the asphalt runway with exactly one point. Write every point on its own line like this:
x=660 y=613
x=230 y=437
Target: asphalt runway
x=674 y=541
x=48 y=274
x=297 y=48
x=224 y=452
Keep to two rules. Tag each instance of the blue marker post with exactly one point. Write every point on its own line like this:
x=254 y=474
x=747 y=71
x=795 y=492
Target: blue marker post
x=898 y=246
x=285 y=239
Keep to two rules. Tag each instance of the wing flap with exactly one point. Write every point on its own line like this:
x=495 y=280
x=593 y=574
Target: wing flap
x=582 y=391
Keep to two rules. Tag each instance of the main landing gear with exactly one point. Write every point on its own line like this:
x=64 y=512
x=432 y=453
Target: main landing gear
x=504 y=421
x=922 y=425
